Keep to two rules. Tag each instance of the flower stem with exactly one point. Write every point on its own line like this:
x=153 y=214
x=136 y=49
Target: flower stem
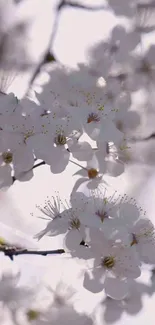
x=73 y=162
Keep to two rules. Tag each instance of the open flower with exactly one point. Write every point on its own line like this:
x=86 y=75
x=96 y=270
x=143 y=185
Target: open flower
x=96 y=118
x=101 y=213
x=52 y=145
x=91 y=175
x=65 y=220
x=141 y=236
x=111 y=260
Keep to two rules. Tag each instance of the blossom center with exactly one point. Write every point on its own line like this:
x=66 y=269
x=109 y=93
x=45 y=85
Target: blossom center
x=7 y=157
x=93 y=117
x=92 y=173
x=60 y=140
x=108 y=262
x=102 y=214
x=32 y=314
x=28 y=134
x=75 y=223
x=134 y=240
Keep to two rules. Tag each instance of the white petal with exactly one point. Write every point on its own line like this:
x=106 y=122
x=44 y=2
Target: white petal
x=8 y=103
x=94 y=282
x=78 y=201
x=128 y=214
x=53 y=228
x=82 y=151
x=93 y=163
x=113 y=230
x=23 y=159
x=110 y=133
x=102 y=147
x=73 y=239
x=41 y=144
x=116 y=288
x=5 y=176
x=93 y=130
x=146 y=252
x=143 y=226
x=59 y=160
x=127 y=264
x=90 y=219
x=114 y=168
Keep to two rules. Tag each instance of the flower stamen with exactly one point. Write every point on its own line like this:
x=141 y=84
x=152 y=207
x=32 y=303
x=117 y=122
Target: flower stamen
x=102 y=215
x=75 y=223
x=108 y=262
x=93 y=117
x=32 y=314
x=60 y=140
x=7 y=157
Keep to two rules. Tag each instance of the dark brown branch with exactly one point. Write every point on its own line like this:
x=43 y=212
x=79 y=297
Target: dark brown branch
x=11 y=252
x=35 y=166
x=39 y=164
x=77 y=5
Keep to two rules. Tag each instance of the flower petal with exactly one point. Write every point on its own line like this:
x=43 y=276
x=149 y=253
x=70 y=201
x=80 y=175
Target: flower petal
x=59 y=160
x=116 y=288
x=5 y=176
x=94 y=282
x=82 y=151
x=23 y=159
x=114 y=168
x=109 y=132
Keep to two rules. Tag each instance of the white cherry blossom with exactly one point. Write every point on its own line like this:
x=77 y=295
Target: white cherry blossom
x=53 y=146
x=91 y=176
x=64 y=219
x=101 y=213
x=142 y=238
x=111 y=260
x=95 y=117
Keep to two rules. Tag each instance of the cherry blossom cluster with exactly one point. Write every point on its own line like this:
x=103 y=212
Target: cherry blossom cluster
x=52 y=133
x=87 y=116
x=98 y=100
x=111 y=234
x=26 y=303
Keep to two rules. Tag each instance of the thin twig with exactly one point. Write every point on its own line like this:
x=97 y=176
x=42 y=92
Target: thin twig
x=11 y=252
x=39 y=164
x=77 y=5
x=35 y=166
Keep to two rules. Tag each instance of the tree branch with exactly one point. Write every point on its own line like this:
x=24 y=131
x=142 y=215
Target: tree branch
x=66 y=3
x=12 y=251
